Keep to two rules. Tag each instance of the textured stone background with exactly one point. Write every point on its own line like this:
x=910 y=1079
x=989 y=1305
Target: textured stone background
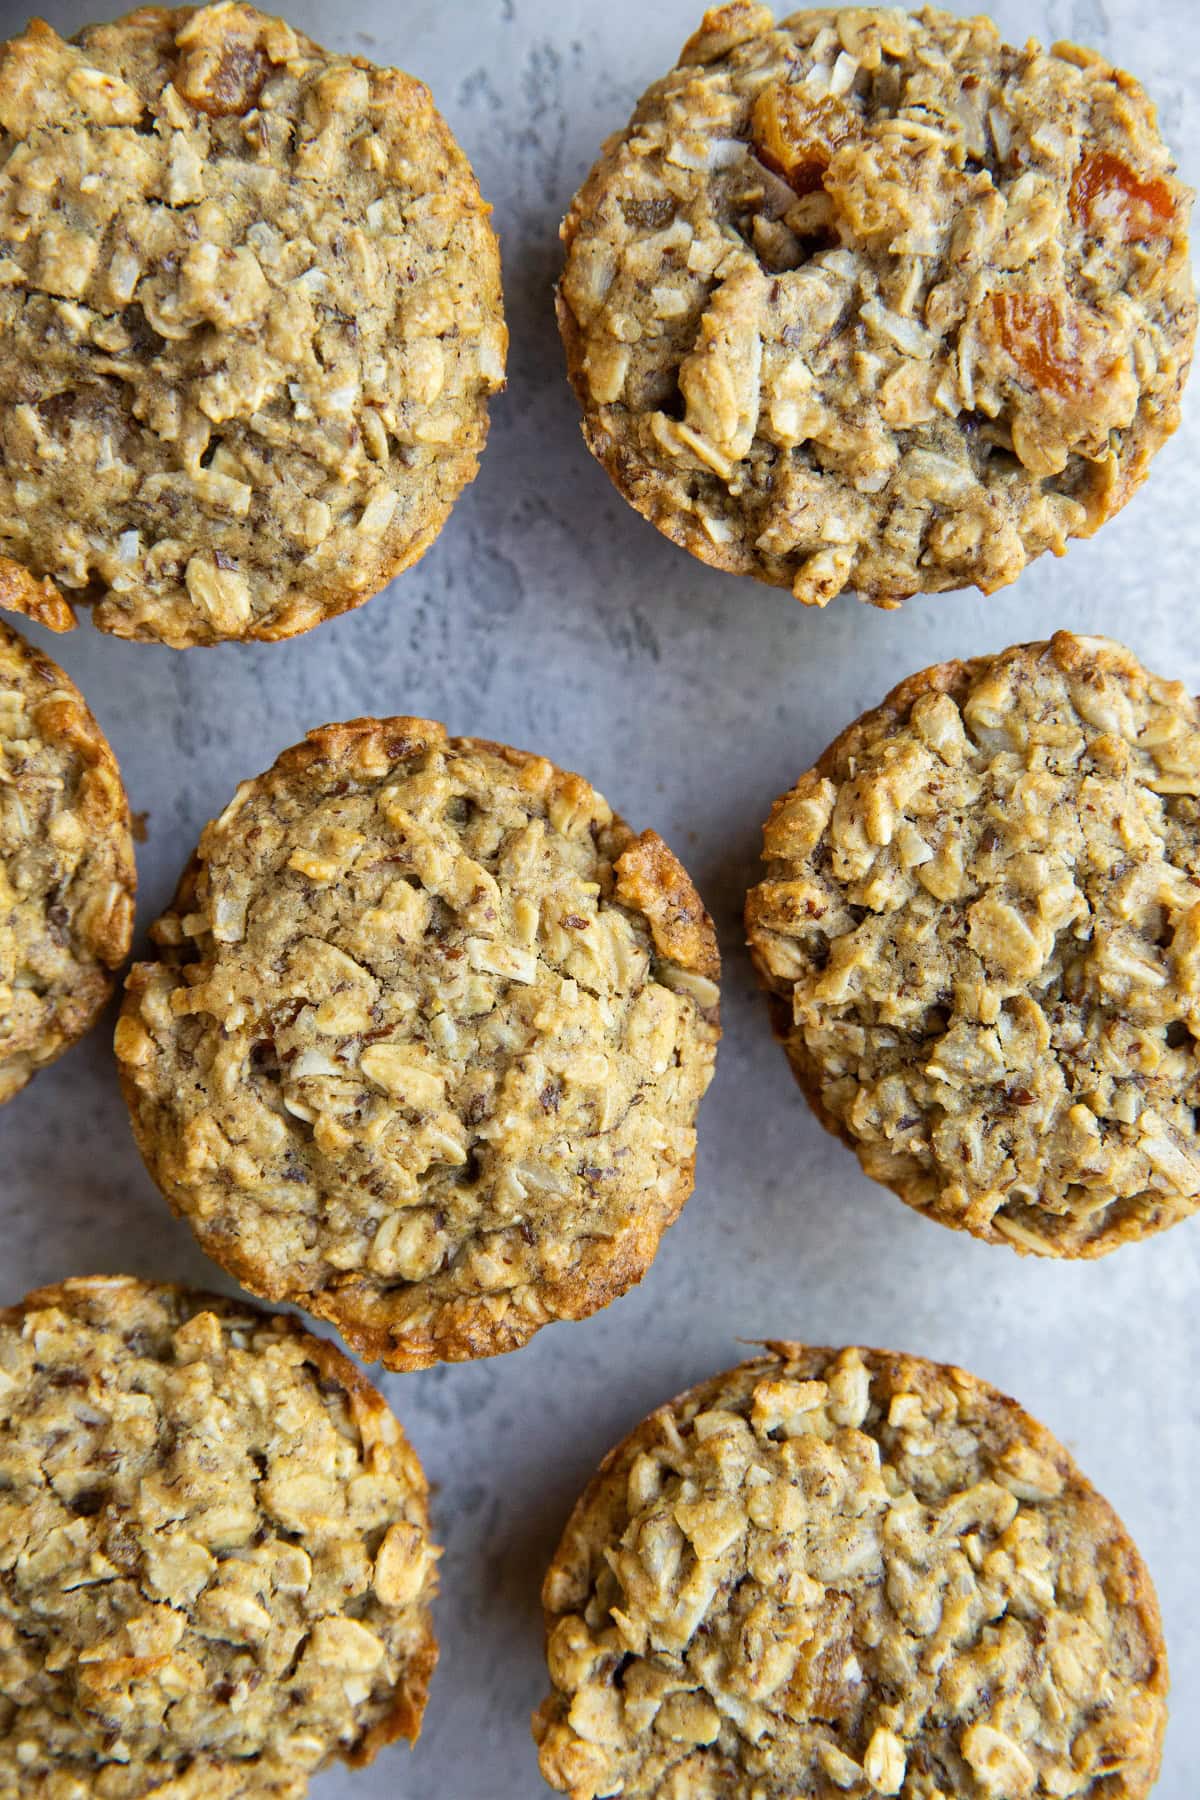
x=550 y=616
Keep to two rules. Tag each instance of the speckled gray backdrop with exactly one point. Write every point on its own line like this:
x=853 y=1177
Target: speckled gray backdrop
x=549 y=615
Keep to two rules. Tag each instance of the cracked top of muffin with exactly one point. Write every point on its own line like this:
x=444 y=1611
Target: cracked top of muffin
x=848 y=1573
x=979 y=927
x=873 y=301
x=425 y=1041
x=215 y=1563
x=250 y=316
x=67 y=876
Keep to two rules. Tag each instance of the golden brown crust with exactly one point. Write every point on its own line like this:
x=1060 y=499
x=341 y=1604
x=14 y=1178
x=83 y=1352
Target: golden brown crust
x=303 y=338
x=36 y=600
x=870 y=301
x=738 y=1564
x=651 y=879
x=368 y=1408
x=445 y=1025
x=461 y=1331
x=67 y=874
x=975 y=933
x=272 y=1536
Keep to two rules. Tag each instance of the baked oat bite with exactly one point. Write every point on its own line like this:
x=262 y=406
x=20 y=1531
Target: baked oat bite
x=424 y=1043
x=869 y=300
x=215 y=1562
x=251 y=316
x=67 y=876
x=832 y=1573
x=979 y=931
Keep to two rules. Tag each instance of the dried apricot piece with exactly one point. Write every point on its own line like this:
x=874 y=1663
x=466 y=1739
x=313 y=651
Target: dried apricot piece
x=1040 y=339
x=1104 y=187
x=796 y=136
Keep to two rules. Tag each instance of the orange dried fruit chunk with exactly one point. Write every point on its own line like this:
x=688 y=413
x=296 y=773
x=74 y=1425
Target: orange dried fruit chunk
x=1040 y=340
x=797 y=137
x=1105 y=187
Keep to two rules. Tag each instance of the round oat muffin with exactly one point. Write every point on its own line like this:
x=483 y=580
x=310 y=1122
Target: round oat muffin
x=832 y=1573
x=425 y=1041
x=250 y=317
x=979 y=928
x=67 y=876
x=873 y=301
x=215 y=1565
